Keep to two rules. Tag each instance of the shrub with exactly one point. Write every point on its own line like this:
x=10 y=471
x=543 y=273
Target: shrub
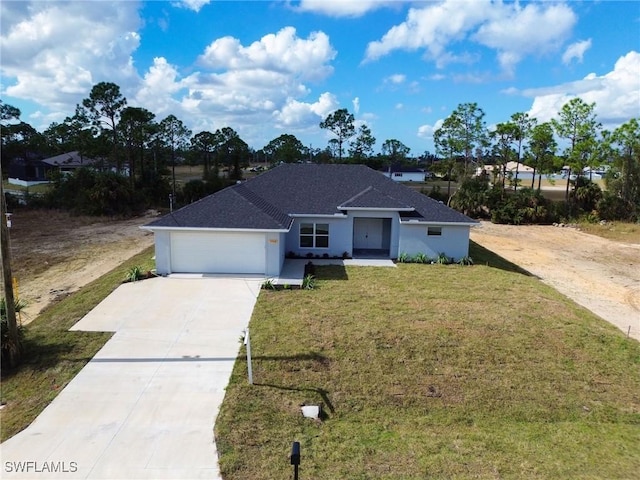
x=420 y=258
x=88 y=192
x=8 y=346
x=465 y=261
x=309 y=282
x=587 y=194
x=612 y=207
x=471 y=197
x=134 y=274
x=442 y=259
x=523 y=207
x=404 y=258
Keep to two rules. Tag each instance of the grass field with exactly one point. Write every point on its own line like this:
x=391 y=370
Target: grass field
x=54 y=355
x=618 y=231
x=430 y=371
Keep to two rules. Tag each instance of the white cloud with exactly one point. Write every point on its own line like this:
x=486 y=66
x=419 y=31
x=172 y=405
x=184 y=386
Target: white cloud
x=431 y=27
x=343 y=8
x=295 y=114
x=426 y=131
x=158 y=86
x=396 y=78
x=356 y=105
x=616 y=94
x=282 y=52
x=514 y=32
x=399 y=106
x=253 y=88
x=194 y=5
x=55 y=52
x=576 y=51
x=262 y=83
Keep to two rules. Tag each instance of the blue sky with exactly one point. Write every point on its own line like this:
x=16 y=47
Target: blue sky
x=265 y=68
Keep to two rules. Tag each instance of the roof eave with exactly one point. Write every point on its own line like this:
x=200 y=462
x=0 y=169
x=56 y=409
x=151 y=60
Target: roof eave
x=208 y=229
x=415 y=221
x=383 y=209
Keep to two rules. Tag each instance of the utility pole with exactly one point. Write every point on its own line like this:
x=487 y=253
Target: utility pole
x=5 y=256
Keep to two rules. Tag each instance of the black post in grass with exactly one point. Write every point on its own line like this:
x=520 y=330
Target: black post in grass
x=295 y=458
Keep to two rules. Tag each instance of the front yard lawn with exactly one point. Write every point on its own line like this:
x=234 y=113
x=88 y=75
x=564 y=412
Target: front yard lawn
x=429 y=371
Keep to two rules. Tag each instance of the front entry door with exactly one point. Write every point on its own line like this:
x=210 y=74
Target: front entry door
x=367 y=233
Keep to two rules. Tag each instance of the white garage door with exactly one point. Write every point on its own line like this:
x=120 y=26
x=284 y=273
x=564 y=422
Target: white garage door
x=203 y=252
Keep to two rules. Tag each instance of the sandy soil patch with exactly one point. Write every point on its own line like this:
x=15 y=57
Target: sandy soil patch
x=599 y=274
x=54 y=253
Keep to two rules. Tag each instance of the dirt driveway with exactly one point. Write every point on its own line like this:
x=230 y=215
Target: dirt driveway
x=599 y=274
x=54 y=253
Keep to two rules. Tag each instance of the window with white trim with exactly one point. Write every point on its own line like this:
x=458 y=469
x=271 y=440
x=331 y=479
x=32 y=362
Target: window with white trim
x=314 y=235
x=434 y=231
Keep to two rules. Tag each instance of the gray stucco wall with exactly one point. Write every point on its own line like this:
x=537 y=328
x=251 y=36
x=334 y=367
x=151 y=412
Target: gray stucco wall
x=454 y=241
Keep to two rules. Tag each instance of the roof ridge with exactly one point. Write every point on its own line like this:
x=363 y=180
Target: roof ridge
x=264 y=205
x=357 y=195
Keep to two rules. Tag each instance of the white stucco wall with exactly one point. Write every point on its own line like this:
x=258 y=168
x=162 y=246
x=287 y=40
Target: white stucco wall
x=162 y=240
x=274 y=250
x=454 y=241
x=340 y=236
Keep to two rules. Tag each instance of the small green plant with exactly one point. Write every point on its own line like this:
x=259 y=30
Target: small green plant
x=465 y=261
x=404 y=258
x=309 y=282
x=442 y=259
x=268 y=285
x=420 y=258
x=8 y=346
x=134 y=274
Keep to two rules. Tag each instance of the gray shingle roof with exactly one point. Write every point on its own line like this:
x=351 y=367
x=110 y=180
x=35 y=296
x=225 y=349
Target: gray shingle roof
x=268 y=200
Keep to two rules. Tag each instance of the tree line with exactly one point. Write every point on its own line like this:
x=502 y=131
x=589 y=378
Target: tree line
x=141 y=153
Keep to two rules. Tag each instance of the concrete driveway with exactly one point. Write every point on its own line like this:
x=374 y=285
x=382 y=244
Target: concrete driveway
x=145 y=405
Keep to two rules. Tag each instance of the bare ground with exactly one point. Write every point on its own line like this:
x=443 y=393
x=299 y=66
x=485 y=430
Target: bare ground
x=599 y=274
x=54 y=253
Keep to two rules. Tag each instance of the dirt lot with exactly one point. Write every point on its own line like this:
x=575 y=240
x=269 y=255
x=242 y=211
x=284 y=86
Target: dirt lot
x=54 y=254
x=599 y=274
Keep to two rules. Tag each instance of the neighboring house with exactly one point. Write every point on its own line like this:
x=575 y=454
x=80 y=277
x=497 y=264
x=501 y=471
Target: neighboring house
x=27 y=173
x=307 y=210
x=525 y=172
x=405 y=174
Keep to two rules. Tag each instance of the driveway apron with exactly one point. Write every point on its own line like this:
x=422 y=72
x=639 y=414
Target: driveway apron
x=145 y=405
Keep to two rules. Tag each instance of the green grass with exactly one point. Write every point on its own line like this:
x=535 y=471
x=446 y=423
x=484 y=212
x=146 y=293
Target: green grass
x=429 y=371
x=617 y=231
x=54 y=355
